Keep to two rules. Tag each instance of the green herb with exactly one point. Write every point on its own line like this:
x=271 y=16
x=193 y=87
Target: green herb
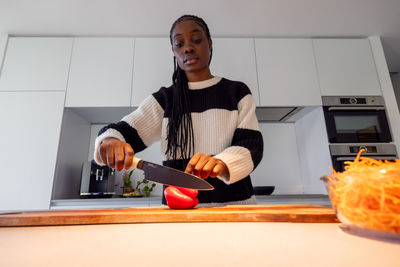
x=147 y=188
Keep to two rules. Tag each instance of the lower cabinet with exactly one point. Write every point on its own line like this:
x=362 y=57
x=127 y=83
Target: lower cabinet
x=30 y=131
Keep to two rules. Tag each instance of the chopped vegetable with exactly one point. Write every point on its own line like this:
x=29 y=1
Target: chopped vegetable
x=367 y=193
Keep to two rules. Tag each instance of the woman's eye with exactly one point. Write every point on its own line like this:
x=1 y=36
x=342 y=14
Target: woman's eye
x=178 y=44
x=197 y=41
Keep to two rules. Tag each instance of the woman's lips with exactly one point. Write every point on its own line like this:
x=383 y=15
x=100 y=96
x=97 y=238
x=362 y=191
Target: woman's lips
x=190 y=61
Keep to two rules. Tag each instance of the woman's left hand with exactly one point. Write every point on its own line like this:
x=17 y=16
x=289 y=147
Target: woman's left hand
x=203 y=166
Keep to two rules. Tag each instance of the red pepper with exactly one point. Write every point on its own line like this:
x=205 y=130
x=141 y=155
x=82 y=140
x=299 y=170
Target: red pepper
x=181 y=198
x=189 y=192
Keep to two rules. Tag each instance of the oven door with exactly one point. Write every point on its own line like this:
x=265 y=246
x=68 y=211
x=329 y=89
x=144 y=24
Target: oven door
x=357 y=125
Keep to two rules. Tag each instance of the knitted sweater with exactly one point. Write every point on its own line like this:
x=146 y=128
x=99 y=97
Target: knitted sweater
x=224 y=125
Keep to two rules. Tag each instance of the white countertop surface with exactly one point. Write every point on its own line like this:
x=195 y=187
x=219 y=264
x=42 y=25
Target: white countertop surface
x=101 y=203
x=193 y=244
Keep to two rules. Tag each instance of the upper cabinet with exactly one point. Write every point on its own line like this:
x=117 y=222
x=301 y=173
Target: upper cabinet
x=287 y=74
x=346 y=67
x=101 y=72
x=36 y=64
x=3 y=45
x=234 y=59
x=153 y=67
x=122 y=72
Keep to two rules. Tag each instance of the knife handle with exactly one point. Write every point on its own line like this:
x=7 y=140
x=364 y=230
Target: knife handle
x=137 y=163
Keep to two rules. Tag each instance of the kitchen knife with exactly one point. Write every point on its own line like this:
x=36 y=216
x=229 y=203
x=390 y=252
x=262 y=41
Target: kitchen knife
x=168 y=176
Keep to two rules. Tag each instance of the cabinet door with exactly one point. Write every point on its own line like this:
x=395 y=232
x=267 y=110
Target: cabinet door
x=346 y=67
x=3 y=45
x=234 y=59
x=101 y=72
x=31 y=123
x=36 y=64
x=286 y=72
x=153 y=67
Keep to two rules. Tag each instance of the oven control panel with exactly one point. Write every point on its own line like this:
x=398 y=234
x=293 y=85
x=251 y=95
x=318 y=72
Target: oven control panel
x=353 y=100
x=371 y=149
x=356 y=101
x=368 y=149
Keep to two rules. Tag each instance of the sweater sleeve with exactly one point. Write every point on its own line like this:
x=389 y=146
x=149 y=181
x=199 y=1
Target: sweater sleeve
x=140 y=129
x=246 y=151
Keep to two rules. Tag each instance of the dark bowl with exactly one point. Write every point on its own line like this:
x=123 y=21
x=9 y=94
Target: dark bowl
x=263 y=190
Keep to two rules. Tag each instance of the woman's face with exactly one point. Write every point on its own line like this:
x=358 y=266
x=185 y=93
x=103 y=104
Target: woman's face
x=192 y=49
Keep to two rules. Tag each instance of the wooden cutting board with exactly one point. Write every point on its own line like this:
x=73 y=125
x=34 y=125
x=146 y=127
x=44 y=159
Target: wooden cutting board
x=243 y=213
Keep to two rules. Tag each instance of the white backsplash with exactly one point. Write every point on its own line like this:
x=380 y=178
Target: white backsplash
x=296 y=155
x=279 y=166
x=152 y=153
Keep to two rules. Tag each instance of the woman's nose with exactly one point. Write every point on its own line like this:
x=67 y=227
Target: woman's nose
x=189 y=49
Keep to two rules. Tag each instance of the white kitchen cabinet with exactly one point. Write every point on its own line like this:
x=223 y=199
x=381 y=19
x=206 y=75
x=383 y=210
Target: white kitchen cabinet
x=36 y=64
x=101 y=72
x=234 y=59
x=346 y=67
x=30 y=123
x=3 y=45
x=287 y=74
x=153 y=67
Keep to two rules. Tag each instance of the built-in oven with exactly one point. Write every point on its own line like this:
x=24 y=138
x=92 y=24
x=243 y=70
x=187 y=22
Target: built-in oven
x=340 y=153
x=358 y=119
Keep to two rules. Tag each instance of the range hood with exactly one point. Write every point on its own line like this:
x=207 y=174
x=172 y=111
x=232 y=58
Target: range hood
x=282 y=114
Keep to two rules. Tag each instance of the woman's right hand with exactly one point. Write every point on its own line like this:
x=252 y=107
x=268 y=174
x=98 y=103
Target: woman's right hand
x=116 y=153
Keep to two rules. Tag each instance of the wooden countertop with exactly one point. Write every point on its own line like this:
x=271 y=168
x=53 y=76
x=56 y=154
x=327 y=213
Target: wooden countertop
x=243 y=213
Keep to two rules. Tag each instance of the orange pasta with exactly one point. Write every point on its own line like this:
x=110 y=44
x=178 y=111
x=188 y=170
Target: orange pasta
x=367 y=193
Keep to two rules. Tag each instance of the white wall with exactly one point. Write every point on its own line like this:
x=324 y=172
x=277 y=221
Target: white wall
x=280 y=166
x=3 y=44
x=296 y=155
x=313 y=149
x=283 y=164
x=392 y=110
x=74 y=144
x=396 y=87
x=152 y=153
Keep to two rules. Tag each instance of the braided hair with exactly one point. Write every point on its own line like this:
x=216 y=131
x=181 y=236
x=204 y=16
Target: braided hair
x=180 y=128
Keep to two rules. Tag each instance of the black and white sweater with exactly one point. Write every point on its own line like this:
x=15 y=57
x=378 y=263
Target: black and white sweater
x=224 y=125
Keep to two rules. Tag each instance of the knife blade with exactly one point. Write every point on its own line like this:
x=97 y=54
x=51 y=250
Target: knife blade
x=169 y=176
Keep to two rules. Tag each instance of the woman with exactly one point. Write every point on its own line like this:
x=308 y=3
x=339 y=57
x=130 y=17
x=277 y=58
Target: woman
x=207 y=124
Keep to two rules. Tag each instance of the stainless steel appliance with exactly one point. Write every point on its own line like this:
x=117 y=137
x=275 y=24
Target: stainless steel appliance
x=340 y=153
x=97 y=181
x=356 y=119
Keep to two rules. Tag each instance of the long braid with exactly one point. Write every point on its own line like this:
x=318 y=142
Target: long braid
x=180 y=128
x=180 y=135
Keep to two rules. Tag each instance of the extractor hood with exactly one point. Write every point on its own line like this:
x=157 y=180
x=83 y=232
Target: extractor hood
x=281 y=114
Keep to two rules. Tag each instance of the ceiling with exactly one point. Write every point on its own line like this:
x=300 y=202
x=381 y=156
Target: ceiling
x=234 y=18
